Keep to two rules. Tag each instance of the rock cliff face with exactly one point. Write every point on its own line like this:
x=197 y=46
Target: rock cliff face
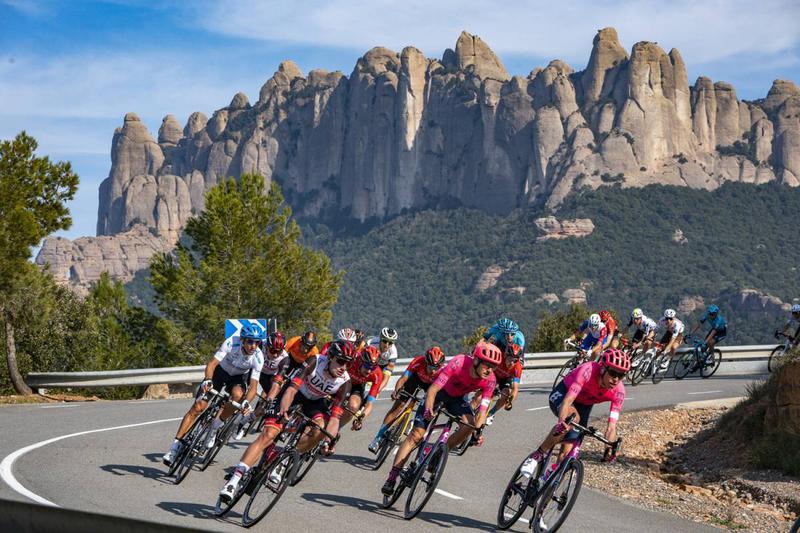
x=408 y=132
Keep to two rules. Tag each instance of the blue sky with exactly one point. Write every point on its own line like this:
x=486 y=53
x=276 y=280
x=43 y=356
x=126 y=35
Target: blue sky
x=70 y=70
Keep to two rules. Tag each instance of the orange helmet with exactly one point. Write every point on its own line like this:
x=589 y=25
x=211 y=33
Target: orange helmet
x=488 y=353
x=369 y=356
x=605 y=315
x=434 y=356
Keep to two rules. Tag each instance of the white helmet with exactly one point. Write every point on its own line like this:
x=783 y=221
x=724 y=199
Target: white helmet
x=346 y=334
x=796 y=308
x=637 y=313
x=669 y=313
x=388 y=334
x=594 y=320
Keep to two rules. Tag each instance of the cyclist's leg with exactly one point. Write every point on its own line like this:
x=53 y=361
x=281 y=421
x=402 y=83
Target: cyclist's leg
x=237 y=394
x=460 y=407
x=571 y=436
x=191 y=415
x=354 y=404
x=317 y=411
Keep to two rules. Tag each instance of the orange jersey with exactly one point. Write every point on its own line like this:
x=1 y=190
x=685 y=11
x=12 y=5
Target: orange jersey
x=293 y=348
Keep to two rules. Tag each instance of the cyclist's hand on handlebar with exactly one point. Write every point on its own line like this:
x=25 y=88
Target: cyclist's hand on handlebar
x=206 y=385
x=427 y=414
x=394 y=395
x=273 y=410
x=567 y=343
x=509 y=405
x=246 y=407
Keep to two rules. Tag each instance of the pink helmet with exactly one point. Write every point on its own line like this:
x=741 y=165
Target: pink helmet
x=488 y=353
x=617 y=360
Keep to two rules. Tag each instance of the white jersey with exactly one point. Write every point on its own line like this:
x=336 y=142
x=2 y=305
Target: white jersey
x=271 y=366
x=235 y=362
x=389 y=356
x=319 y=383
x=676 y=329
x=648 y=325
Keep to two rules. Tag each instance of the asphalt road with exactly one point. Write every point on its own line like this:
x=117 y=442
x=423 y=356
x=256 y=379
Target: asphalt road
x=118 y=471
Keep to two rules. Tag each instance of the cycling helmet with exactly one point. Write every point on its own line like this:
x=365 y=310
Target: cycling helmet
x=309 y=339
x=434 y=356
x=513 y=350
x=488 y=353
x=637 y=313
x=594 y=320
x=346 y=334
x=616 y=360
x=796 y=308
x=507 y=326
x=389 y=335
x=342 y=350
x=713 y=309
x=275 y=342
x=250 y=331
x=370 y=356
x=669 y=313
x=605 y=315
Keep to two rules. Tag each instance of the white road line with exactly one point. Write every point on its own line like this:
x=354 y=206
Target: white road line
x=7 y=464
x=448 y=495
x=525 y=520
x=538 y=408
x=146 y=402
x=704 y=392
x=57 y=406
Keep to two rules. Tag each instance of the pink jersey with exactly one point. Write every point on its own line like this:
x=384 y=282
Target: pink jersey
x=583 y=384
x=455 y=379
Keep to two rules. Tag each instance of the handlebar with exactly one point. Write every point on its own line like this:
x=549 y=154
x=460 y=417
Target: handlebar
x=571 y=344
x=455 y=418
x=592 y=432
x=223 y=395
x=296 y=411
x=403 y=395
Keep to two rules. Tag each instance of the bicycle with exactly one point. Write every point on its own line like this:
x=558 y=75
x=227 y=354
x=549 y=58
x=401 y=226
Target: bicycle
x=579 y=358
x=310 y=457
x=696 y=359
x=427 y=467
x=549 y=490
x=398 y=429
x=224 y=434
x=193 y=442
x=776 y=356
x=650 y=364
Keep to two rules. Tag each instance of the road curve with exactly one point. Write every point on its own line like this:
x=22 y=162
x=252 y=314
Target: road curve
x=104 y=457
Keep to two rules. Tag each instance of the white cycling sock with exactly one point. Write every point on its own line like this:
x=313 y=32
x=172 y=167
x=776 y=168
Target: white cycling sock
x=241 y=470
x=175 y=445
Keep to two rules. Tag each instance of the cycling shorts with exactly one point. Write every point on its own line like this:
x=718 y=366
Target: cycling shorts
x=589 y=342
x=220 y=379
x=719 y=334
x=266 y=380
x=668 y=337
x=456 y=406
x=314 y=409
x=359 y=389
x=413 y=383
x=557 y=398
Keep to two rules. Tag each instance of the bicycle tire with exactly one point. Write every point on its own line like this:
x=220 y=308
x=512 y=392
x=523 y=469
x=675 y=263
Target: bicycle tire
x=658 y=373
x=635 y=357
x=639 y=374
x=775 y=358
x=705 y=373
x=196 y=440
x=220 y=508
x=223 y=435
x=565 y=369
x=504 y=522
x=438 y=454
x=287 y=458
x=684 y=365
x=388 y=442
x=305 y=463
x=388 y=501
x=549 y=492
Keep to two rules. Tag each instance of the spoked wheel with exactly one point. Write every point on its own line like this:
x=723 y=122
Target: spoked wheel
x=556 y=500
x=222 y=507
x=223 y=435
x=305 y=462
x=194 y=450
x=266 y=492
x=636 y=359
x=684 y=365
x=388 y=442
x=515 y=498
x=660 y=367
x=568 y=367
x=642 y=369
x=776 y=358
x=388 y=501
x=707 y=369
x=428 y=475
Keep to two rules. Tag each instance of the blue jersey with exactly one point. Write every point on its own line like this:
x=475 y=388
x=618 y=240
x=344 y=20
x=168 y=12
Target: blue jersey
x=717 y=323
x=592 y=337
x=496 y=337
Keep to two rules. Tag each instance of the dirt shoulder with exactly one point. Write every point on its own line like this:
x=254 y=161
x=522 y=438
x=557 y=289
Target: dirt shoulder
x=673 y=462
x=48 y=398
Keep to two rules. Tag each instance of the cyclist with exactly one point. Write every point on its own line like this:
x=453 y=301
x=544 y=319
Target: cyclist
x=236 y=358
x=508 y=374
x=795 y=317
x=324 y=376
x=364 y=369
x=504 y=332
x=301 y=350
x=718 y=331
x=419 y=374
x=673 y=336
x=645 y=330
x=592 y=332
x=590 y=383
x=344 y=334
x=274 y=347
x=361 y=340
x=385 y=344
x=461 y=376
x=611 y=339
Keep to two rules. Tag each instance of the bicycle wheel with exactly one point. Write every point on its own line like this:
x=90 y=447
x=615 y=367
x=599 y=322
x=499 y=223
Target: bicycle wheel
x=428 y=473
x=776 y=358
x=194 y=450
x=305 y=463
x=557 y=498
x=221 y=508
x=388 y=501
x=684 y=365
x=641 y=369
x=266 y=493
x=564 y=370
x=659 y=372
x=707 y=369
x=223 y=435
x=515 y=498
x=388 y=442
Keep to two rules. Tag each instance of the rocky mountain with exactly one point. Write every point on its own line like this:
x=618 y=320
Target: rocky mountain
x=406 y=132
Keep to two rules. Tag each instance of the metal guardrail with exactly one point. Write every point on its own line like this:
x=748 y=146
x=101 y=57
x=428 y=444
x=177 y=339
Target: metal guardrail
x=194 y=374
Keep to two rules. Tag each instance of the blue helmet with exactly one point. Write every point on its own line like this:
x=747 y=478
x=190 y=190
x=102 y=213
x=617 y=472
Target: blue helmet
x=507 y=326
x=250 y=331
x=713 y=309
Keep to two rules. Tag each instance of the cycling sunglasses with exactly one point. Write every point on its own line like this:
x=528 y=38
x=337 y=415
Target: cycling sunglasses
x=341 y=360
x=615 y=373
x=249 y=342
x=367 y=365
